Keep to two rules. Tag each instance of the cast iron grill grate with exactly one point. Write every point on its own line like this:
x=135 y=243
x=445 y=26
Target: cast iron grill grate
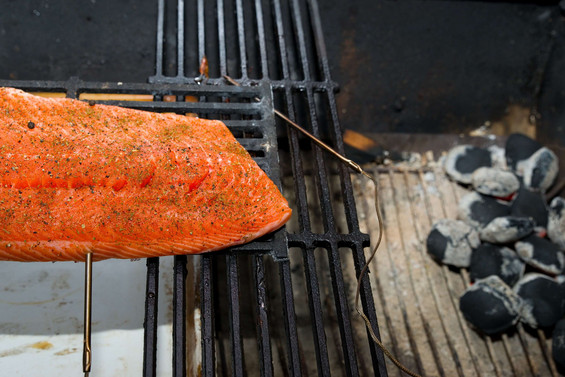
x=279 y=43
x=276 y=51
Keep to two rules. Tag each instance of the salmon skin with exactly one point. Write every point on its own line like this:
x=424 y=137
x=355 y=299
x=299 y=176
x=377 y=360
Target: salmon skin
x=122 y=183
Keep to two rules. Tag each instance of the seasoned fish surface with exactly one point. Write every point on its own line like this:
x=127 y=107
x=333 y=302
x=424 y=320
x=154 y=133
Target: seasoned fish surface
x=123 y=183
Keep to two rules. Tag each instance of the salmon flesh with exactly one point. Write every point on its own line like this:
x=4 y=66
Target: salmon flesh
x=122 y=183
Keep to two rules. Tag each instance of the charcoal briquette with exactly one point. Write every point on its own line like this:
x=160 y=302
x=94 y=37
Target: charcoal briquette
x=507 y=229
x=488 y=260
x=478 y=210
x=556 y=222
x=495 y=182
x=540 y=170
x=541 y=254
x=461 y=161
x=451 y=242
x=490 y=305
x=543 y=300
x=532 y=204
x=519 y=147
x=558 y=345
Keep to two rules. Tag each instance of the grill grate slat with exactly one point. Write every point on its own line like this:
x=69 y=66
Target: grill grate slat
x=150 y=324
x=208 y=348
x=179 y=316
x=262 y=317
x=314 y=303
x=234 y=316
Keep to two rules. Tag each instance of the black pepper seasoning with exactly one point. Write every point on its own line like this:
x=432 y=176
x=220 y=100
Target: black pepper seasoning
x=30 y=125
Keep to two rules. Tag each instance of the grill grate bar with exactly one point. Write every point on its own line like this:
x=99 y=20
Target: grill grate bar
x=261 y=39
x=207 y=307
x=179 y=316
x=221 y=37
x=234 y=313
x=160 y=32
x=322 y=55
x=201 y=31
x=299 y=30
x=296 y=85
x=313 y=288
x=289 y=318
x=241 y=39
x=180 y=38
x=150 y=324
x=262 y=320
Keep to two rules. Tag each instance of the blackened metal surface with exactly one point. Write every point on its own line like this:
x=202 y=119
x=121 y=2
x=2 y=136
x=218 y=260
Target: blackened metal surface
x=150 y=323
x=179 y=316
x=207 y=307
x=102 y=40
x=262 y=318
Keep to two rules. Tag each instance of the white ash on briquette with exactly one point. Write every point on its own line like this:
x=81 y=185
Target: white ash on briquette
x=519 y=148
x=495 y=182
x=488 y=260
x=490 y=305
x=556 y=222
x=543 y=300
x=541 y=254
x=451 y=242
x=477 y=210
x=506 y=229
x=462 y=160
x=540 y=170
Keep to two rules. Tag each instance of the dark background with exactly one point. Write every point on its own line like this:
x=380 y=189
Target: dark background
x=403 y=66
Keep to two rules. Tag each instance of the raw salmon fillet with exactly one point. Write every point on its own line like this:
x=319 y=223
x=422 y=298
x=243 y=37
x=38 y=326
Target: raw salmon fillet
x=123 y=183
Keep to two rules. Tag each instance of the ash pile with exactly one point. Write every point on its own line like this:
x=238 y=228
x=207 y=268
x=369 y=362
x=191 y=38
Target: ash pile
x=509 y=237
